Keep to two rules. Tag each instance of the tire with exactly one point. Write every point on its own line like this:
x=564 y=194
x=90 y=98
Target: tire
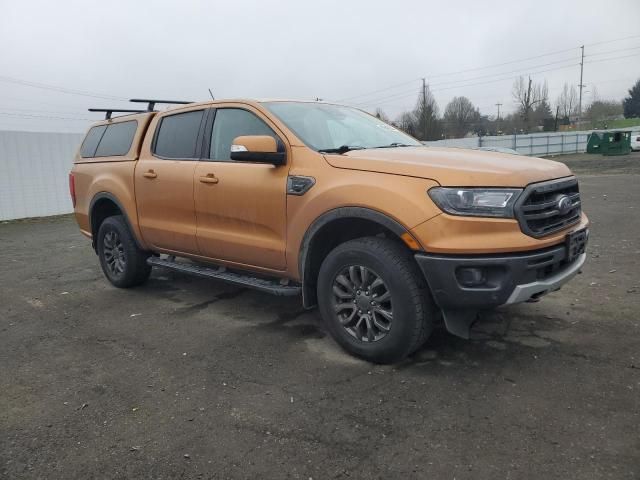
x=395 y=280
x=122 y=262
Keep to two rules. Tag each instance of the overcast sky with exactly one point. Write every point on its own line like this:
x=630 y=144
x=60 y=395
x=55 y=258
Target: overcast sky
x=336 y=50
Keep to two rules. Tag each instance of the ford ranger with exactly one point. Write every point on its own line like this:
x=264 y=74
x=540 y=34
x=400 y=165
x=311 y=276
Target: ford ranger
x=386 y=236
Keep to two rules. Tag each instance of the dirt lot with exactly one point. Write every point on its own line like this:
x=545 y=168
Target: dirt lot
x=583 y=163
x=191 y=378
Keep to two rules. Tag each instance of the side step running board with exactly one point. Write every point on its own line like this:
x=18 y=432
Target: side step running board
x=262 y=284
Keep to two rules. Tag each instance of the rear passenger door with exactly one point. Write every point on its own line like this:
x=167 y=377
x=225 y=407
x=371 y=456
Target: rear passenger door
x=164 y=182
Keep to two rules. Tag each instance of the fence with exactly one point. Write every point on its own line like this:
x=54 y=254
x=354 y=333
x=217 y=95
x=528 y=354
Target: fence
x=537 y=144
x=34 y=168
x=34 y=165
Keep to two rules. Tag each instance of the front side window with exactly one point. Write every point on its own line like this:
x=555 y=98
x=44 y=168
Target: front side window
x=230 y=123
x=325 y=126
x=117 y=139
x=178 y=135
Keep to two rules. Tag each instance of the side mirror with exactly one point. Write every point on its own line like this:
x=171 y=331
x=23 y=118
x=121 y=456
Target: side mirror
x=259 y=149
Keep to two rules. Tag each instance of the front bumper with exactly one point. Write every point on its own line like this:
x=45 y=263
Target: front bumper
x=463 y=285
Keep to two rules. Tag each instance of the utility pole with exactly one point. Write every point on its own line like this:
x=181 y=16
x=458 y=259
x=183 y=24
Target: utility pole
x=424 y=105
x=581 y=85
x=555 y=125
x=498 y=119
x=527 y=106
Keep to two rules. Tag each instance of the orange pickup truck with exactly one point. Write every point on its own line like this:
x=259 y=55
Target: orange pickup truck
x=386 y=236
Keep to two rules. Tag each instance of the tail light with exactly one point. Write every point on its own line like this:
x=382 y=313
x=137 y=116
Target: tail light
x=72 y=189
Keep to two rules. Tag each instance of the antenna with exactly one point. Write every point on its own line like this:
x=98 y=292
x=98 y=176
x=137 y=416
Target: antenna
x=109 y=111
x=152 y=102
x=211 y=93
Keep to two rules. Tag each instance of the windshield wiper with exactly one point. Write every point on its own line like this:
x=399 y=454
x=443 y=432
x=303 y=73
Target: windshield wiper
x=395 y=144
x=340 y=150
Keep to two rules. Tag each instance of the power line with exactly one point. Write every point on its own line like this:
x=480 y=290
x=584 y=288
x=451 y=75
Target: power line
x=557 y=52
x=56 y=88
x=26 y=115
x=380 y=90
x=613 y=58
x=397 y=96
x=612 y=51
x=504 y=63
x=507 y=78
x=611 y=41
x=39 y=111
x=505 y=73
x=521 y=71
x=614 y=80
x=437 y=75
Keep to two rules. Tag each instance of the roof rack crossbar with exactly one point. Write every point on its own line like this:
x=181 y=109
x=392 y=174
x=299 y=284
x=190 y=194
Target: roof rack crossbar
x=152 y=102
x=109 y=111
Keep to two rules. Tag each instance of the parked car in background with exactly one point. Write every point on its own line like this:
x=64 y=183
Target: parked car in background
x=635 y=140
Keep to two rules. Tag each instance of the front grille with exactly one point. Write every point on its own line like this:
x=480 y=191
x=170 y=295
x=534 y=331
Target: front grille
x=537 y=209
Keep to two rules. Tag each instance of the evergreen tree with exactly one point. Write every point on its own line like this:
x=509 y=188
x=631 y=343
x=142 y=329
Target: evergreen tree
x=631 y=104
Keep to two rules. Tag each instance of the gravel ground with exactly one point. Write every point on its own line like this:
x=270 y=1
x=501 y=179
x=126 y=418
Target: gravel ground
x=584 y=163
x=191 y=378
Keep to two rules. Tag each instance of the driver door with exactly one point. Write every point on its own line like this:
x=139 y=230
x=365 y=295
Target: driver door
x=240 y=206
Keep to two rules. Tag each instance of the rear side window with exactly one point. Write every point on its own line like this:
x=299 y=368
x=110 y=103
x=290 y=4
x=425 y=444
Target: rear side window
x=91 y=141
x=117 y=140
x=178 y=134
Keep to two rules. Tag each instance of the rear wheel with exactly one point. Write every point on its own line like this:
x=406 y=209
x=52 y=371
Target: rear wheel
x=122 y=262
x=374 y=300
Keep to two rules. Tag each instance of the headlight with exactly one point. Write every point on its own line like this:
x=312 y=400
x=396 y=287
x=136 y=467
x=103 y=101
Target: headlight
x=477 y=202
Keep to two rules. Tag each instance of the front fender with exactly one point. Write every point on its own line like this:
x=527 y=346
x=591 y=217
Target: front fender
x=402 y=200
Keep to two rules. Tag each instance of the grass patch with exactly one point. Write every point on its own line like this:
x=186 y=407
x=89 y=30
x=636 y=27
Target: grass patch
x=622 y=123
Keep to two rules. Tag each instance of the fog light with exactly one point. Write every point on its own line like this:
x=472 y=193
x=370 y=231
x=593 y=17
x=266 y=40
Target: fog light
x=471 y=276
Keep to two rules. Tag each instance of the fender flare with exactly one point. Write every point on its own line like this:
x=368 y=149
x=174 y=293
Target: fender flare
x=109 y=196
x=327 y=217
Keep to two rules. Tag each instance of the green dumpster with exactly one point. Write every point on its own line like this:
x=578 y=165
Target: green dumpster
x=593 y=144
x=610 y=143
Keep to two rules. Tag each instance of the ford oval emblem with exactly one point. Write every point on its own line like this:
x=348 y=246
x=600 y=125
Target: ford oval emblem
x=564 y=204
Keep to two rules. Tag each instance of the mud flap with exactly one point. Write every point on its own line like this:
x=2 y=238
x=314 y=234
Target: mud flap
x=458 y=322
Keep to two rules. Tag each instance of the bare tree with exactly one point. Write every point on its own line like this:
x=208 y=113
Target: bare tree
x=460 y=115
x=379 y=113
x=527 y=95
x=567 y=102
x=406 y=123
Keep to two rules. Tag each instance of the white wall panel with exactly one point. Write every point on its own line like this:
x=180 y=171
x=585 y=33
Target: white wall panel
x=34 y=168
x=546 y=143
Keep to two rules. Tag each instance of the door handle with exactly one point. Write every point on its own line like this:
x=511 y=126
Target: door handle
x=150 y=174
x=209 y=178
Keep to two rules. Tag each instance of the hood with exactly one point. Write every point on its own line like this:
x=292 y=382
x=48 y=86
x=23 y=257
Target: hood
x=454 y=167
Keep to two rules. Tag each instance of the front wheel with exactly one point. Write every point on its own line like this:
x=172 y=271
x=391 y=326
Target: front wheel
x=374 y=300
x=122 y=262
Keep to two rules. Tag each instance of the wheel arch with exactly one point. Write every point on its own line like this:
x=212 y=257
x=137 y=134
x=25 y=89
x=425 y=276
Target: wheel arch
x=326 y=233
x=102 y=206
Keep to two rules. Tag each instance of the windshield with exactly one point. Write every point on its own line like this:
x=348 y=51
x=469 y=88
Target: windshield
x=337 y=129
